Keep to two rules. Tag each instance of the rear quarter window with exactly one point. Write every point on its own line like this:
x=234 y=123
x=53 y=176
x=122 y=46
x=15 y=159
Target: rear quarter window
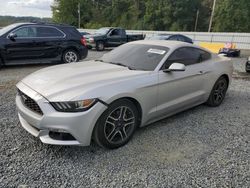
x=72 y=32
x=205 y=55
x=49 y=32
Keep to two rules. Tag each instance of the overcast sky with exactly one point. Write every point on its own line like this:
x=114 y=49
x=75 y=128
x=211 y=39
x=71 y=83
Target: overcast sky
x=37 y=8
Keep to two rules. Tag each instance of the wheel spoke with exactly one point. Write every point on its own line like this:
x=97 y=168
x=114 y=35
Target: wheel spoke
x=112 y=134
x=124 y=132
x=216 y=92
x=120 y=134
x=129 y=122
x=121 y=114
x=112 y=118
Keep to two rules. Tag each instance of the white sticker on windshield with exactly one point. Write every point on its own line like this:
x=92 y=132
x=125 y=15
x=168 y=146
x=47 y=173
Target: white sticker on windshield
x=156 y=51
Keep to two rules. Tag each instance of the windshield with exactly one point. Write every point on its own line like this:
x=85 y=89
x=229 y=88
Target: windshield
x=136 y=56
x=102 y=31
x=7 y=29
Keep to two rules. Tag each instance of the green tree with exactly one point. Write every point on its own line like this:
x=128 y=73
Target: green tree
x=232 y=16
x=65 y=11
x=164 y=15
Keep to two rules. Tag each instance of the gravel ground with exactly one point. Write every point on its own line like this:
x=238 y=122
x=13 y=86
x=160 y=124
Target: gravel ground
x=201 y=147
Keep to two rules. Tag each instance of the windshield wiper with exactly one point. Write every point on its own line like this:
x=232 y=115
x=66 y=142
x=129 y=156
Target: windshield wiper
x=120 y=64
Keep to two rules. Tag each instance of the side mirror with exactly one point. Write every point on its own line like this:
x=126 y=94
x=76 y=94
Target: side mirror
x=12 y=36
x=175 y=67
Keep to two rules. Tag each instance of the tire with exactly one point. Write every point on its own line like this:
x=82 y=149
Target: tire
x=246 y=67
x=1 y=63
x=218 y=92
x=116 y=125
x=70 y=56
x=238 y=53
x=100 y=46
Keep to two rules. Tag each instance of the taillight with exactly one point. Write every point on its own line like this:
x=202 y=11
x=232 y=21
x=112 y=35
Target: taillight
x=83 y=41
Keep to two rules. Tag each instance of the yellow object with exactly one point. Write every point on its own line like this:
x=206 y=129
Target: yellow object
x=215 y=47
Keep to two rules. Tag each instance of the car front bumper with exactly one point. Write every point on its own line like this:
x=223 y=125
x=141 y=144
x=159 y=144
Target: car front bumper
x=79 y=125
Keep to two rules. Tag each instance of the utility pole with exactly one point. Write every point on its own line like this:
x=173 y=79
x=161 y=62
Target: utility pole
x=79 y=16
x=212 y=15
x=196 y=20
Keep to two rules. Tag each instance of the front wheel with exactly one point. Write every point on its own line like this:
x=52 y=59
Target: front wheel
x=100 y=46
x=116 y=125
x=218 y=92
x=70 y=56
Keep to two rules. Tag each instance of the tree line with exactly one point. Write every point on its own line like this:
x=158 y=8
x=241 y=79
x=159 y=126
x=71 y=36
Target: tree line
x=7 y=20
x=165 y=15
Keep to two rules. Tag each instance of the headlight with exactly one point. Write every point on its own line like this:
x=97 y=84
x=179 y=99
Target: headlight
x=74 y=106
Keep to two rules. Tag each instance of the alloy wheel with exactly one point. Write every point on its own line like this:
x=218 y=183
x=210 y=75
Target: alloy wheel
x=70 y=57
x=220 y=91
x=119 y=125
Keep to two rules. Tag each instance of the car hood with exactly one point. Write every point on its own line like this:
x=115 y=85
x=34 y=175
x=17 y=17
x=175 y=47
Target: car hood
x=66 y=82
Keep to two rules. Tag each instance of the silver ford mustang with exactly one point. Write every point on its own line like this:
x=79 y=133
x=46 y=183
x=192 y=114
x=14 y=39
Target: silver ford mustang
x=132 y=86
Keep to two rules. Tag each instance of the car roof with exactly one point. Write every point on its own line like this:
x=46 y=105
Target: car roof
x=168 y=43
x=42 y=23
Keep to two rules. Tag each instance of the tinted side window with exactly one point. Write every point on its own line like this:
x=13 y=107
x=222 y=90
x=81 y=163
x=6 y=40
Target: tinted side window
x=181 y=38
x=205 y=55
x=48 y=32
x=26 y=32
x=186 y=56
x=116 y=32
x=174 y=37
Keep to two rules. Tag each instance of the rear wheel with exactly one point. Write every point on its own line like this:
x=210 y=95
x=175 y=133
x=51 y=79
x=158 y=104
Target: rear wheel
x=218 y=92
x=100 y=46
x=116 y=125
x=70 y=56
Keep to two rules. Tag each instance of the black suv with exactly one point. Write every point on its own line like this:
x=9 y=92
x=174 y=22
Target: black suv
x=29 y=43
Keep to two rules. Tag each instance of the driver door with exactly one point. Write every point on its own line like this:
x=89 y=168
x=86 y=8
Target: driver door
x=23 y=46
x=179 y=90
x=114 y=38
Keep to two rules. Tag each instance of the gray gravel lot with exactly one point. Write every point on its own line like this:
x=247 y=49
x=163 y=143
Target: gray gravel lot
x=201 y=147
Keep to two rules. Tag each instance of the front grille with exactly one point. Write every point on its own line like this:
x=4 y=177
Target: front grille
x=30 y=103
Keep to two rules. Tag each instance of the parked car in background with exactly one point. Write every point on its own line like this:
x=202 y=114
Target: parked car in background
x=248 y=65
x=230 y=50
x=176 y=37
x=132 y=86
x=110 y=37
x=29 y=43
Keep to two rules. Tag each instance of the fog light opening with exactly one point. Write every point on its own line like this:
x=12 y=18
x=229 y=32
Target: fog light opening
x=61 y=135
